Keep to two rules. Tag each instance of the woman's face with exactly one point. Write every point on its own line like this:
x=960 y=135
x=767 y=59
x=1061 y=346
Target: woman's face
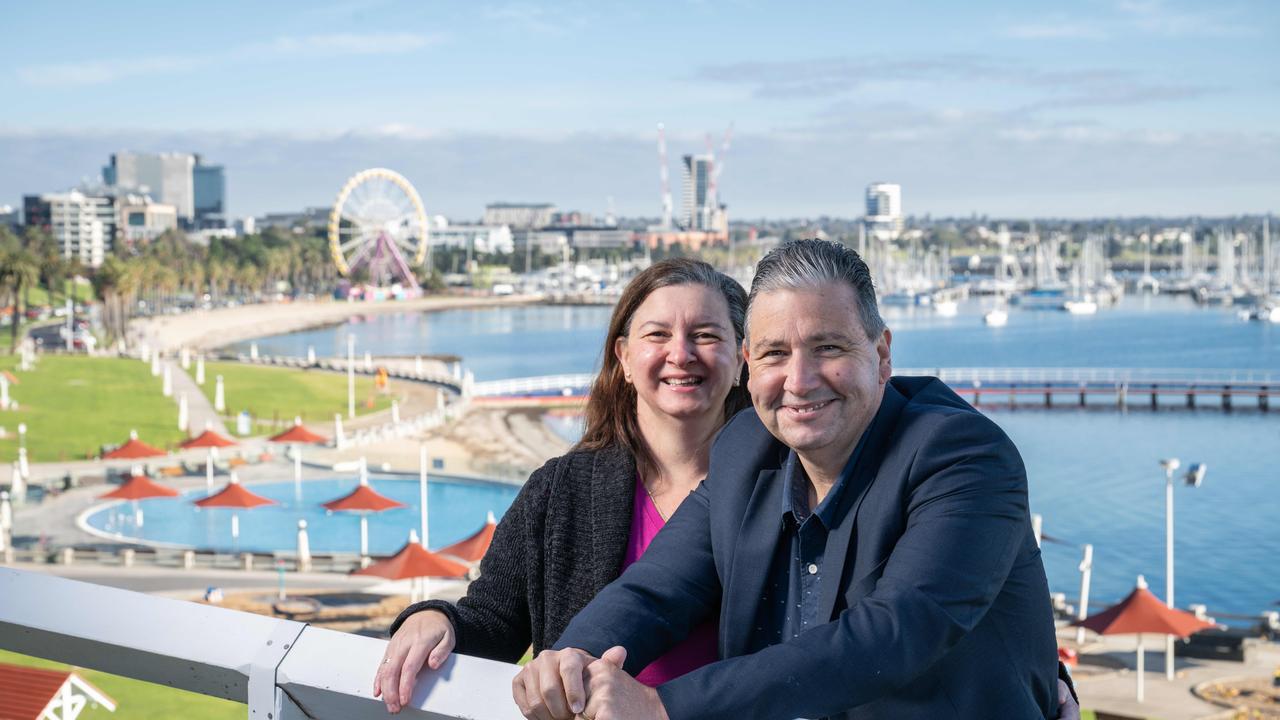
x=681 y=354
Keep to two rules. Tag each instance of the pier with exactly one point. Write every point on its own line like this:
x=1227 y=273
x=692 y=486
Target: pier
x=1044 y=387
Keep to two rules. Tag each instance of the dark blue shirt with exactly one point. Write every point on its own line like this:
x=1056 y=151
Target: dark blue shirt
x=796 y=574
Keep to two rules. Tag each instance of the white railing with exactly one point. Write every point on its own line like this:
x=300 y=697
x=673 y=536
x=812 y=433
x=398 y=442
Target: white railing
x=1213 y=376
x=283 y=670
x=521 y=386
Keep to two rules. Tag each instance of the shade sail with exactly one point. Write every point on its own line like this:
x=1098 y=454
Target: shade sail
x=133 y=449
x=234 y=495
x=207 y=439
x=139 y=487
x=473 y=548
x=298 y=434
x=363 y=498
x=415 y=561
x=1142 y=612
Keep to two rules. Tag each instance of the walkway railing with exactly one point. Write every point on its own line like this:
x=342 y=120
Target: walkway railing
x=283 y=670
x=564 y=384
x=1215 y=376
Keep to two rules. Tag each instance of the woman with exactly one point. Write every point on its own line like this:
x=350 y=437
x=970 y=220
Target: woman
x=671 y=376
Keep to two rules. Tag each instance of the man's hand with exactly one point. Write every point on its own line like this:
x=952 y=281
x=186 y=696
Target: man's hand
x=612 y=694
x=425 y=637
x=551 y=686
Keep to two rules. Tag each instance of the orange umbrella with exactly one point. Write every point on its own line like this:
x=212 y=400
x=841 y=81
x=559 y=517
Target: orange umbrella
x=133 y=449
x=1141 y=612
x=235 y=496
x=138 y=487
x=413 y=561
x=473 y=548
x=298 y=435
x=363 y=500
x=211 y=440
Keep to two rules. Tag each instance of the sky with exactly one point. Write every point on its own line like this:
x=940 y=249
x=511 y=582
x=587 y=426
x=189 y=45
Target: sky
x=1010 y=109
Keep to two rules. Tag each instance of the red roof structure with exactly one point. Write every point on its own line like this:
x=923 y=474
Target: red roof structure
x=139 y=487
x=473 y=548
x=1142 y=612
x=207 y=439
x=415 y=561
x=362 y=499
x=298 y=434
x=133 y=449
x=234 y=495
x=26 y=693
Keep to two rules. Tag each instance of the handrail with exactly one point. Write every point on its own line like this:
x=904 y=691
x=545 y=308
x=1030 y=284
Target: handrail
x=1211 y=376
x=283 y=670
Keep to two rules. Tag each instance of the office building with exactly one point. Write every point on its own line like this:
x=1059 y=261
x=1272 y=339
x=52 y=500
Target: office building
x=209 y=188
x=480 y=238
x=519 y=216
x=142 y=219
x=10 y=217
x=166 y=177
x=83 y=226
x=697 y=211
x=884 y=210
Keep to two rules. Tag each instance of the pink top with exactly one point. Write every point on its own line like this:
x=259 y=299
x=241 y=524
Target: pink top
x=699 y=648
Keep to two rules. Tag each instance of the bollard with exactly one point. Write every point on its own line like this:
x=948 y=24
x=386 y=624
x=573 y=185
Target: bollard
x=246 y=560
x=188 y=559
x=126 y=557
x=68 y=556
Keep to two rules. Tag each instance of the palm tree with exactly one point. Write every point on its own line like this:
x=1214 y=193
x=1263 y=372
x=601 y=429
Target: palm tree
x=19 y=269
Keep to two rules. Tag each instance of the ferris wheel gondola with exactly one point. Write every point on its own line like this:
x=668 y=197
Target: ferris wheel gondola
x=378 y=228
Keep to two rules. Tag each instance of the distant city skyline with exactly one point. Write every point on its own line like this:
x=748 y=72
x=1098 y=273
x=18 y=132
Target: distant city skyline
x=1098 y=108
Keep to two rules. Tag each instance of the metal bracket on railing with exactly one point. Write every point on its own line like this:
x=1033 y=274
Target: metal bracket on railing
x=263 y=697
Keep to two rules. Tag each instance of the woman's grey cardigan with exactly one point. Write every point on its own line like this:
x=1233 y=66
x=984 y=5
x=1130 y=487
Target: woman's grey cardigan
x=559 y=544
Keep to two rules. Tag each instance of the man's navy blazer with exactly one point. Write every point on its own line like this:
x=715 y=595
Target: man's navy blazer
x=941 y=610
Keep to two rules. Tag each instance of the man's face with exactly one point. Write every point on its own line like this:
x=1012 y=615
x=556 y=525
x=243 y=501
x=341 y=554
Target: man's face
x=816 y=379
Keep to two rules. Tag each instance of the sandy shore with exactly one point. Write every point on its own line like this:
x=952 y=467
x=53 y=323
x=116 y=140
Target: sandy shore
x=208 y=329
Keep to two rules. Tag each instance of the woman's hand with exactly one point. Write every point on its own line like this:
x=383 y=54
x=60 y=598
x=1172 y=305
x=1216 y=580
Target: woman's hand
x=425 y=636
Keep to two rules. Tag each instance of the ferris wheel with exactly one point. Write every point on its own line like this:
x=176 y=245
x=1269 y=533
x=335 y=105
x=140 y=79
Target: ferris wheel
x=378 y=224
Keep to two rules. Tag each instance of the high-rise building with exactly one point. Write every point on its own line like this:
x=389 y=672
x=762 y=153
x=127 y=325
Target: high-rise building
x=884 y=210
x=143 y=219
x=166 y=177
x=209 y=197
x=697 y=179
x=83 y=226
x=10 y=217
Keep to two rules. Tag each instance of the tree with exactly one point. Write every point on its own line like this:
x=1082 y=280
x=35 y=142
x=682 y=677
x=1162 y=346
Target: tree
x=19 y=269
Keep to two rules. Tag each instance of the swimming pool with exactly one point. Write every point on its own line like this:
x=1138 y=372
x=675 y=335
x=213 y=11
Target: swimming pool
x=457 y=508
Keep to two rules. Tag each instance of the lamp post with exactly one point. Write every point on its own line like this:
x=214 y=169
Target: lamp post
x=1194 y=476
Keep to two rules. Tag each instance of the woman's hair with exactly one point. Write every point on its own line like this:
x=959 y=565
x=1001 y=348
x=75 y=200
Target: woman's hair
x=611 y=406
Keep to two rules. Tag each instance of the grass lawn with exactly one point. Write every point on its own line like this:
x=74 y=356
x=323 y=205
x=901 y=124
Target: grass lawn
x=73 y=405
x=277 y=395
x=138 y=699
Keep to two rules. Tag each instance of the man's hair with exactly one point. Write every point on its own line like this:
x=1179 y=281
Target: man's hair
x=807 y=264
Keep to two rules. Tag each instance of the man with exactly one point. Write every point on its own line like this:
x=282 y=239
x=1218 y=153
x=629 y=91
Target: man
x=865 y=540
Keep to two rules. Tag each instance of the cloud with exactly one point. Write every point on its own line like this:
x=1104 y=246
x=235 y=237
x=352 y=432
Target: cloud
x=539 y=19
x=949 y=162
x=842 y=77
x=1157 y=17
x=98 y=72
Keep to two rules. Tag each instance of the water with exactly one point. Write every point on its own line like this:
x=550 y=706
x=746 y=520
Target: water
x=1092 y=474
x=456 y=508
